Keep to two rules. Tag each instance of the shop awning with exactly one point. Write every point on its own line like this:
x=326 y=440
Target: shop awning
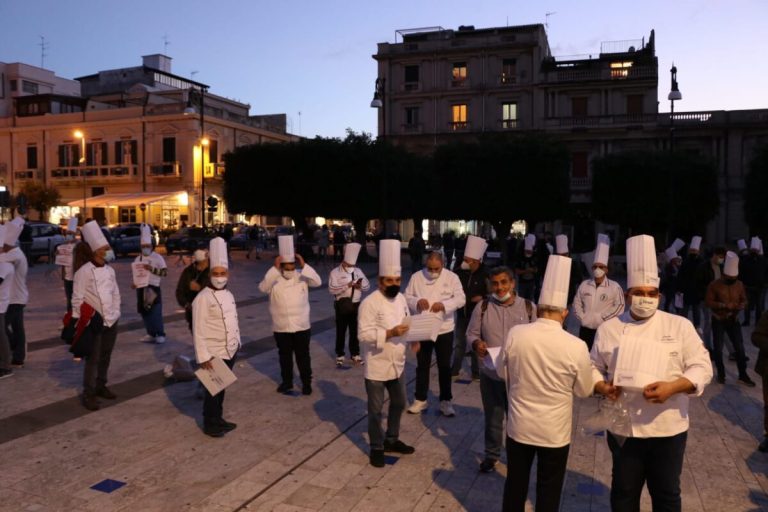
x=124 y=199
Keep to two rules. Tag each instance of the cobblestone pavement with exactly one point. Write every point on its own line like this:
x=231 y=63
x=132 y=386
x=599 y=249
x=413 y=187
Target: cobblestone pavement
x=295 y=453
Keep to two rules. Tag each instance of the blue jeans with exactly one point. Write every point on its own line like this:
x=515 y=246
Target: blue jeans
x=153 y=318
x=375 y=390
x=656 y=461
x=494 y=396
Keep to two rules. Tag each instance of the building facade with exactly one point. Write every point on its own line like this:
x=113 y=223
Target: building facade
x=128 y=145
x=438 y=85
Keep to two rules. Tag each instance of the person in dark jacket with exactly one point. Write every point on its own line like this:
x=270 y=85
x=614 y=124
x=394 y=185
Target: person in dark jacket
x=752 y=274
x=708 y=271
x=760 y=340
x=416 y=250
x=670 y=280
x=686 y=282
x=193 y=279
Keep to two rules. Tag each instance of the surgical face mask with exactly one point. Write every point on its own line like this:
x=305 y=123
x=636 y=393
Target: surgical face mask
x=109 y=256
x=391 y=291
x=598 y=273
x=146 y=251
x=431 y=275
x=199 y=255
x=644 y=307
x=502 y=298
x=219 y=282
x=289 y=274
x=464 y=265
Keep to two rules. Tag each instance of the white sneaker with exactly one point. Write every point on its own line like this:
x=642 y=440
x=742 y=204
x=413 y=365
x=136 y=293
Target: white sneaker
x=340 y=361
x=417 y=406
x=446 y=408
x=160 y=340
x=147 y=338
x=358 y=360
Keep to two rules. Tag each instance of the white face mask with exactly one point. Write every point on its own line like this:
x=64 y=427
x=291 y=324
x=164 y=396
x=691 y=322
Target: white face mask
x=464 y=265
x=146 y=251
x=289 y=274
x=109 y=256
x=644 y=307
x=431 y=275
x=598 y=273
x=219 y=282
x=200 y=255
x=503 y=298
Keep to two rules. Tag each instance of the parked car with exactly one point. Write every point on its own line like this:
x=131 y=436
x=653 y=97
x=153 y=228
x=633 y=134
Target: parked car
x=240 y=238
x=45 y=238
x=126 y=238
x=188 y=239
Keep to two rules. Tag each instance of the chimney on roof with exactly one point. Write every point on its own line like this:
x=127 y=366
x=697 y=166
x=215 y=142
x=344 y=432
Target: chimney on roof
x=466 y=28
x=157 y=61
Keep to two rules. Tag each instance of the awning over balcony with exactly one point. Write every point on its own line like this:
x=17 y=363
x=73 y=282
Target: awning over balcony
x=125 y=199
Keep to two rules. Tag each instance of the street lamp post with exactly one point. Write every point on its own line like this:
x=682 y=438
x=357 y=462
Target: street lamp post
x=80 y=135
x=203 y=144
x=674 y=94
x=378 y=102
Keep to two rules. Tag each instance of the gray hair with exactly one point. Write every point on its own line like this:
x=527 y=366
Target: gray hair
x=544 y=308
x=436 y=255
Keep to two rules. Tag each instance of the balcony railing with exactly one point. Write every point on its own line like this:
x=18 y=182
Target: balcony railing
x=411 y=86
x=507 y=79
x=411 y=128
x=28 y=174
x=508 y=124
x=100 y=171
x=458 y=126
x=581 y=75
x=459 y=83
x=581 y=182
x=597 y=121
x=164 y=170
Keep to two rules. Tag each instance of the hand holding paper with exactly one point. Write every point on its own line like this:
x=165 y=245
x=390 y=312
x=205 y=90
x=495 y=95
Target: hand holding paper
x=140 y=274
x=423 y=327
x=491 y=359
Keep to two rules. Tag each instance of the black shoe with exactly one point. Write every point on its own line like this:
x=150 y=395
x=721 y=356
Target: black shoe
x=306 y=389
x=488 y=465
x=721 y=379
x=377 y=458
x=17 y=364
x=4 y=373
x=763 y=446
x=227 y=426
x=398 y=447
x=214 y=430
x=90 y=402
x=104 y=392
x=284 y=387
x=746 y=381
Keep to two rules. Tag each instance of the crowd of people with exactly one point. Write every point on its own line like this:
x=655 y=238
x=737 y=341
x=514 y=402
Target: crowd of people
x=510 y=321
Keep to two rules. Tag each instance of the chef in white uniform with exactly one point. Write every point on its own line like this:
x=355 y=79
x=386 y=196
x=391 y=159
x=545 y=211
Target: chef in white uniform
x=435 y=290
x=149 y=299
x=287 y=283
x=544 y=367
x=95 y=284
x=649 y=446
x=14 y=317
x=382 y=319
x=6 y=281
x=597 y=299
x=347 y=283
x=216 y=333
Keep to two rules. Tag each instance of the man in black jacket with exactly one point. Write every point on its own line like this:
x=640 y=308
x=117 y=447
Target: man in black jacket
x=752 y=274
x=687 y=283
x=193 y=279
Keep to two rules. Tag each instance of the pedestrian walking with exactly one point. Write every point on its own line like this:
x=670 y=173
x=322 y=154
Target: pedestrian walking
x=6 y=282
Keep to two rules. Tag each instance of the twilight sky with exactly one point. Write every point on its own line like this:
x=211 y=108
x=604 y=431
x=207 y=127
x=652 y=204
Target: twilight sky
x=311 y=59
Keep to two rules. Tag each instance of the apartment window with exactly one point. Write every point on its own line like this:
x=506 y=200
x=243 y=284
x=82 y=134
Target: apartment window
x=635 y=104
x=169 y=149
x=580 y=165
x=29 y=87
x=96 y=153
x=213 y=151
x=579 y=107
x=508 y=71
x=620 y=69
x=69 y=155
x=459 y=116
x=411 y=78
x=509 y=115
x=14 y=86
x=31 y=157
x=127 y=215
x=411 y=116
x=459 y=74
x=126 y=152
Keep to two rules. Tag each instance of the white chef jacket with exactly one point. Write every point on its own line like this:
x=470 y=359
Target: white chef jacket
x=339 y=279
x=6 y=274
x=384 y=358
x=687 y=358
x=289 y=298
x=98 y=287
x=157 y=262
x=215 y=327
x=446 y=289
x=594 y=304
x=19 y=291
x=544 y=366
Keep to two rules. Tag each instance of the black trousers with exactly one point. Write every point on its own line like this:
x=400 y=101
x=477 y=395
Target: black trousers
x=68 y=288
x=732 y=328
x=443 y=348
x=588 y=335
x=97 y=364
x=753 y=303
x=17 y=337
x=290 y=344
x=344 y=323
x=656 y=461
x=213 y=406
x=550 y=473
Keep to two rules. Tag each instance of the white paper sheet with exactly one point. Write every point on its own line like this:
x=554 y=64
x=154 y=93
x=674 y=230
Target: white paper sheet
x=491 y=359
x=218 y=378
x=640 y=362
x=64 y=255
x=423 y=327
x=140 y=274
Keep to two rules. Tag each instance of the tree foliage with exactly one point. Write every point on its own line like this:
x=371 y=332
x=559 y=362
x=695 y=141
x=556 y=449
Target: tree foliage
x=40 y=197
x=755 y=191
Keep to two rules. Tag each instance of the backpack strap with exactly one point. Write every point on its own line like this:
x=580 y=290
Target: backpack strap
x=529 y=309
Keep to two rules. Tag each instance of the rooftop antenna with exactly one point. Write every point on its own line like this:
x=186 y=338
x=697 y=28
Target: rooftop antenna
x=507 y=20
x=192 y=74
x=299 y=123
x=43 y=46
x=546 y=18
x=166 y=43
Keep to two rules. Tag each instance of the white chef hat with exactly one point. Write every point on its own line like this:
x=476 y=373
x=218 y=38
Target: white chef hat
x=695 y=243
x=475 y=248
x=561 y=243
x=389 y=258
x=731 y=267
x=554 y=289
x=530 y=241
x=72 y=225
x=351 y=251
x=754 y=244
x=678 y=244
x=93 y=236
x=741 y=243
x=146 y=234
x=285 y=247
x=602 y=237
x=601 y=254
x=642 y=269
x=217 y=253
x=671 y=253
x=13 y=230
